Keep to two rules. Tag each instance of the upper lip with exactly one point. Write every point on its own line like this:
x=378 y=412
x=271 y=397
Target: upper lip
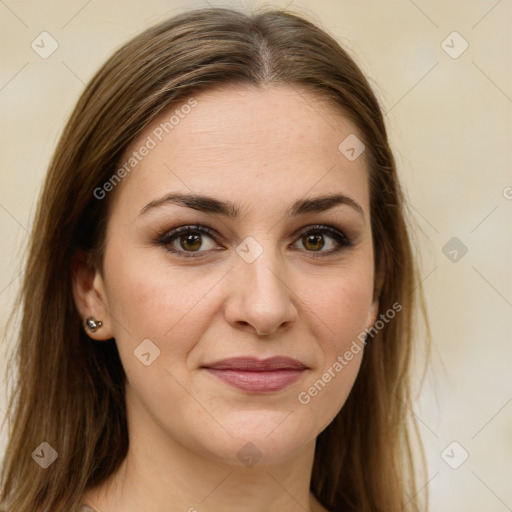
x=252 y=364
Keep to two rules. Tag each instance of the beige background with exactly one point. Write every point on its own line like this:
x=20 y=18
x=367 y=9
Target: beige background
x=451 y=126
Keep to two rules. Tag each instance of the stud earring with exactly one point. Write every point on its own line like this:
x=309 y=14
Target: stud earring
x=92 y=324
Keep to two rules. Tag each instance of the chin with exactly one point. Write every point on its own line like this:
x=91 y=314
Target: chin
x=258 y=438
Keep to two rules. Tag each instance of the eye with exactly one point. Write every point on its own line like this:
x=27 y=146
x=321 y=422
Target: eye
x=187 y=239
x=313 y=240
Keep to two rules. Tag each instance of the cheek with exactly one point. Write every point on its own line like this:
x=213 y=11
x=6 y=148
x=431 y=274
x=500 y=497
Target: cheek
x=347 y=302
x=343 y=306
x=321 y=399
x=147 y=296
x=150 y=300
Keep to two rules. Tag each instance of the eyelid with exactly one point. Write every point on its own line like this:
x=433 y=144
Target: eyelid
x=324 y=228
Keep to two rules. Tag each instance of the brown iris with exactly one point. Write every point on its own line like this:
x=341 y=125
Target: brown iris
x=314 y=242
x=191 y=242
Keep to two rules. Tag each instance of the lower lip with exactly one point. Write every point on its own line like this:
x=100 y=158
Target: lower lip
x=258 y=382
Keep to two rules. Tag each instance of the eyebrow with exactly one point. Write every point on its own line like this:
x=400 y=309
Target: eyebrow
x=231 y=210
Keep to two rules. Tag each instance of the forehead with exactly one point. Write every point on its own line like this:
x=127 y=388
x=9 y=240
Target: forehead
x=274 y=141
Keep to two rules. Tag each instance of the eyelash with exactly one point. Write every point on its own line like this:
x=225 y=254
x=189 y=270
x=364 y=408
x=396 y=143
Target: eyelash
x=169 y=236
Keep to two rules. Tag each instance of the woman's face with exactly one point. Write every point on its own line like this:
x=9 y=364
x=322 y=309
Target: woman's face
x=279 y=273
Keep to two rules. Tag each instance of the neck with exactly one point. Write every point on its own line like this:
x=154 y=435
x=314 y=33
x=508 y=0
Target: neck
x=160 y=474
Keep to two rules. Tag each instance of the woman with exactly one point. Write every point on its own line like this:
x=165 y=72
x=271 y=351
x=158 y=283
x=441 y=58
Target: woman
x=219 y=293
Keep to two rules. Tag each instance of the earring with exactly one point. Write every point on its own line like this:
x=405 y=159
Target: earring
x=92 y=324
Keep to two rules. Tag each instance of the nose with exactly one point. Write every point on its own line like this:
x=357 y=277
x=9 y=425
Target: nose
x=261 y=298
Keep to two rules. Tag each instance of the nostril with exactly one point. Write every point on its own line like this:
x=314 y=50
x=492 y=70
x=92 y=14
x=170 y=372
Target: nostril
x=245 y=324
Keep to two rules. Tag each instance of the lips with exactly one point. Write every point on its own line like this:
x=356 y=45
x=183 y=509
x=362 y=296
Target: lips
x=256 y=375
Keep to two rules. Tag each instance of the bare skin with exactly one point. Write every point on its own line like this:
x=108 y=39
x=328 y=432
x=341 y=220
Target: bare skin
x=262 y=150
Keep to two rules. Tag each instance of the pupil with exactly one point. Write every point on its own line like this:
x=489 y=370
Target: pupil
x=314 y=239
x=185 y=239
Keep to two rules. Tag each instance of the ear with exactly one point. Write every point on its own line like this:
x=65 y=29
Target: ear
x=89 y=294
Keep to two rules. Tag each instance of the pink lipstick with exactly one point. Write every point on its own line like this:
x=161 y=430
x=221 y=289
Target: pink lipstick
x=256 y=375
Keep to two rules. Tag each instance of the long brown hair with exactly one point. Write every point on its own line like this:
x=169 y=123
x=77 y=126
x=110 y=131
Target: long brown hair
x=69 y=391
